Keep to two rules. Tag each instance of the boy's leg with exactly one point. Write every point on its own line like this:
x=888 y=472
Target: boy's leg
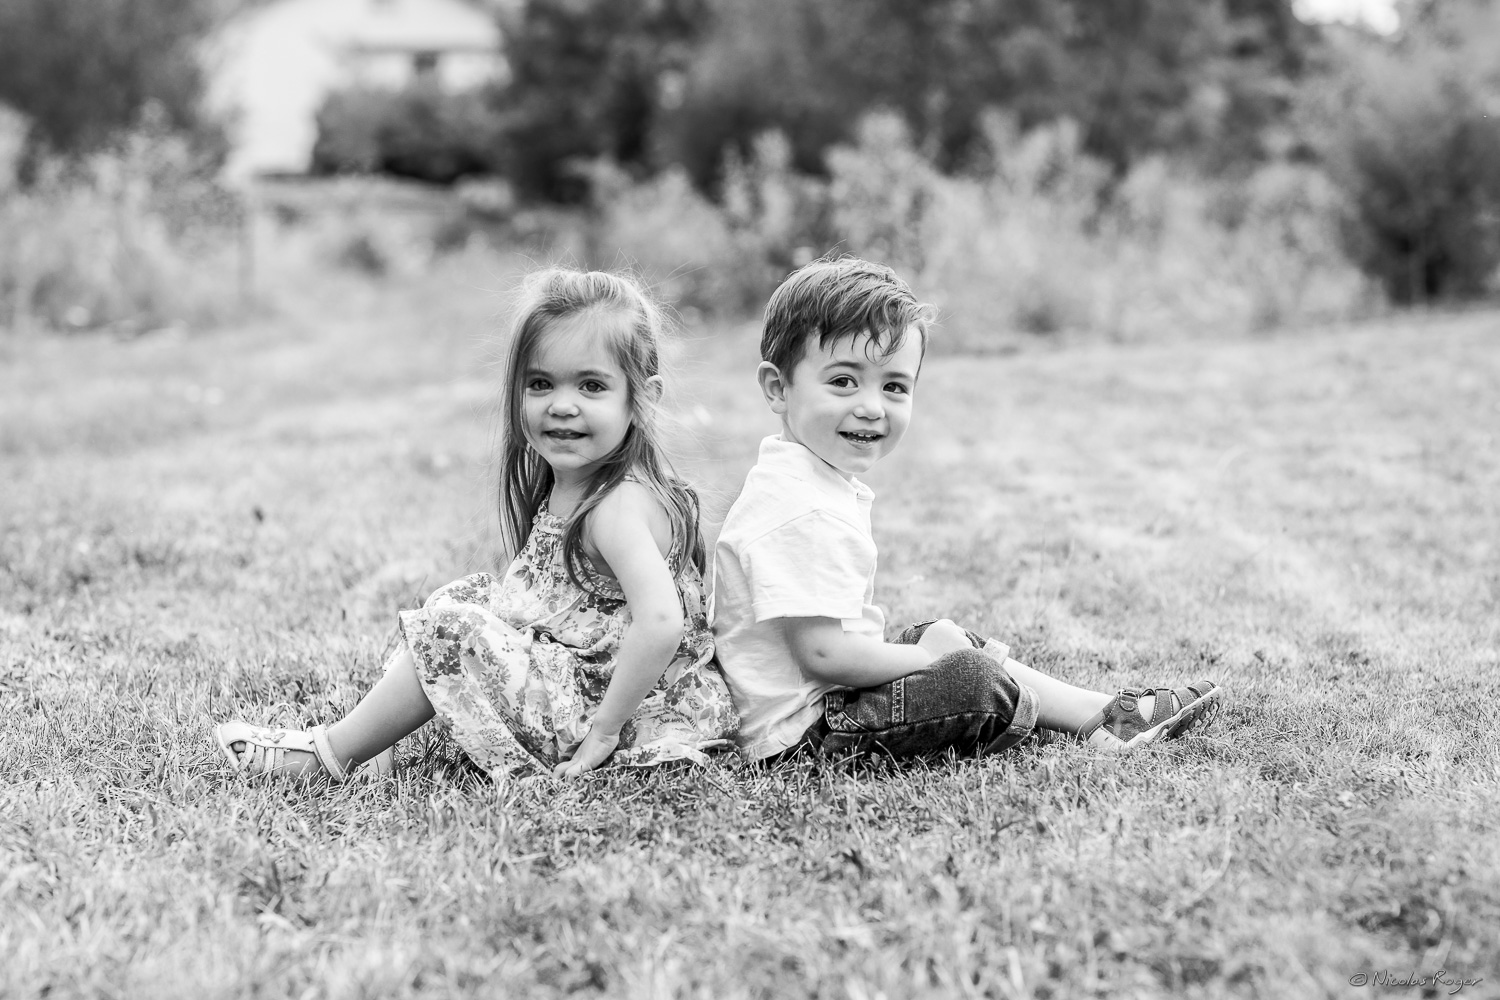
x=1071 y=709
x=1061 y=705
x=965 y=701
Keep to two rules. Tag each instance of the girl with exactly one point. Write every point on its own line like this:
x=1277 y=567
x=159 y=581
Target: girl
x=596 y=643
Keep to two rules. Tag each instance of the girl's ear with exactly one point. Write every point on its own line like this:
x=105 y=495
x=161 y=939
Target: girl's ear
x=655 y=386
x=772 y=385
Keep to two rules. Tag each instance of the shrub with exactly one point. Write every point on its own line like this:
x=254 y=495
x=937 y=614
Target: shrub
x=782 y=218
x=349 y=124
x=680 y=242
x=1412 y=135
x=1038 y=238
x=881 y=190
x=1010 y=248
x=722 y=259
x=133 y=239
x=422 y=132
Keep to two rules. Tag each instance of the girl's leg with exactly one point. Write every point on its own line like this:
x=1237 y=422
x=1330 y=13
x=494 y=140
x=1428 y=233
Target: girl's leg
x=395 y=707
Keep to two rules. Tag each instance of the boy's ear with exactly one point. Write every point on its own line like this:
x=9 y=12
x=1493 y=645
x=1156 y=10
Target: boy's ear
x=772 y=385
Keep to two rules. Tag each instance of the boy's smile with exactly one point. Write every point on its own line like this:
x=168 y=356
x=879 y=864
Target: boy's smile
x=846 y=407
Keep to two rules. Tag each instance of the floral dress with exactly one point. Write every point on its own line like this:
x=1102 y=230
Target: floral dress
x=527 y=661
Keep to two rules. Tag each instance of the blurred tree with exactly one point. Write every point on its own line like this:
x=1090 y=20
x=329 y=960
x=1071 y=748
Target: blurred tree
x=655 y=82
x=586 y=79
x=82 y=70
x=1410 y=130
x=1140 y=76
x=759 y=68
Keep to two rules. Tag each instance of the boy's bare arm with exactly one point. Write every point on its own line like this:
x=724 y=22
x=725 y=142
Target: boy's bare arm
x=827 y=653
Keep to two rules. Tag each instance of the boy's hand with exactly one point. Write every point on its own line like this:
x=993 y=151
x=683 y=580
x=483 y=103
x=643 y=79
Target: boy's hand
x=593 y=751
x=942 y=637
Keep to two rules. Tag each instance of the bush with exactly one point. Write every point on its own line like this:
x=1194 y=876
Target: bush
x=133 y=239
x=1411 y=133
x=679 y=241
x=1037 y=239
x=82 y=71
x=722 y=259
x=422 y=132
x=1012 y=248
x=782 y=219
x=881 y=190
x=1040 y=239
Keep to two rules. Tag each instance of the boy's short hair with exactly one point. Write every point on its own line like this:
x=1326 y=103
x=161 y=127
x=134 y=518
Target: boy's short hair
x=837 y=297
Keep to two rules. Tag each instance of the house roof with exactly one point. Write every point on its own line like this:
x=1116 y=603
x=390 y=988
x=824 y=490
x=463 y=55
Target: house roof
x=386 y=25
x=423 y=25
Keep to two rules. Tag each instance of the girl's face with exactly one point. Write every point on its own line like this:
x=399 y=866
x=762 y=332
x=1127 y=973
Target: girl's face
x=575 y=397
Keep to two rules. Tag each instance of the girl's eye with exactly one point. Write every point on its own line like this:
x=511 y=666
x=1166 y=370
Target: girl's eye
x=538 y=385
x=592 y=386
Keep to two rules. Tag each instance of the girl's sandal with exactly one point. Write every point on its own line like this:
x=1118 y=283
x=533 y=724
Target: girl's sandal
x=1120 y=725
x=265 y=751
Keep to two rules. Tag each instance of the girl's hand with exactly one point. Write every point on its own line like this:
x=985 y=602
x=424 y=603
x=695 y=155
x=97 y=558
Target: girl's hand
x=593 y=751
x=943 y=636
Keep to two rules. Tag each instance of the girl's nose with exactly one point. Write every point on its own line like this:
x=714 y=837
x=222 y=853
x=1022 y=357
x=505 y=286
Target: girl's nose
x=561 y=406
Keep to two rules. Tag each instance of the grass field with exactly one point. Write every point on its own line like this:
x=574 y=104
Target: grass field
x=196 y=528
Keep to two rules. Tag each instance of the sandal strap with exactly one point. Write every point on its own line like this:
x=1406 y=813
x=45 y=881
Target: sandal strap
x=1166 y=704
x=324 y=749
x=1197 y=690
x=272 y=758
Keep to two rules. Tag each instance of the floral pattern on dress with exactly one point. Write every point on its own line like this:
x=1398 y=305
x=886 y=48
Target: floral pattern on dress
x=526 y=661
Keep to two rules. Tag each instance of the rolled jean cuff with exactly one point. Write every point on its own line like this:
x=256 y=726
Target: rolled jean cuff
x=1023 y=722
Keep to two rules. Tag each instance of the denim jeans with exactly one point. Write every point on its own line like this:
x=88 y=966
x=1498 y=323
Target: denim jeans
x=966 y=701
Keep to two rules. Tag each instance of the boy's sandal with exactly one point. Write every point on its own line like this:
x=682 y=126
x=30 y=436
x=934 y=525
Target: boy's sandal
x=265 y=751
x=1120 y=725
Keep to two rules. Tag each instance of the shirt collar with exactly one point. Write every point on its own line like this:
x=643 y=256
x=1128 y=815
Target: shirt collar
x=798 y=461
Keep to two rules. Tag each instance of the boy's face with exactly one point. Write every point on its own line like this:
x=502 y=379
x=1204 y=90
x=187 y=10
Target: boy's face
x=847 y=408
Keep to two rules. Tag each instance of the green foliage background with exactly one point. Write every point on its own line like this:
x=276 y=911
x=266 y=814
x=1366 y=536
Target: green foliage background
x=1394 y=141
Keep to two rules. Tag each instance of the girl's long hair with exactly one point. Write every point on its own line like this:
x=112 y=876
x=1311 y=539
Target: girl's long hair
x=635 y=340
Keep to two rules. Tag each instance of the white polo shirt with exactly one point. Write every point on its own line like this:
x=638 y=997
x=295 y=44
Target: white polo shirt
x=796 y=544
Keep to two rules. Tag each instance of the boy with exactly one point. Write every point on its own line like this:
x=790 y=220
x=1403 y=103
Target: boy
x=798 y=636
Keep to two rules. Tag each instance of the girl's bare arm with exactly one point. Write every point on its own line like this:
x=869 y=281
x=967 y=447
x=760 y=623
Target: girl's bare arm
x=631 y=533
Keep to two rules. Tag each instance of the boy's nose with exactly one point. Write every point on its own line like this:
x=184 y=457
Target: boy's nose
x=869 y=407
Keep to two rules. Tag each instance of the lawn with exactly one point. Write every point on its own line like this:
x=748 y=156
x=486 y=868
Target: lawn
x=196 y=527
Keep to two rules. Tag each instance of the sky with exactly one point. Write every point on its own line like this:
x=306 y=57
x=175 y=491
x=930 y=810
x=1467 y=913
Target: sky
x=1378 y=14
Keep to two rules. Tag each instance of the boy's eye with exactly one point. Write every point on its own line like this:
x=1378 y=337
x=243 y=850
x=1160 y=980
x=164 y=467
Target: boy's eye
x=841 y=382
x=898 y=388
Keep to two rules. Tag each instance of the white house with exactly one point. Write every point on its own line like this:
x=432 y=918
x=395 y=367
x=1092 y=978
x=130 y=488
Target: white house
x=271 y=68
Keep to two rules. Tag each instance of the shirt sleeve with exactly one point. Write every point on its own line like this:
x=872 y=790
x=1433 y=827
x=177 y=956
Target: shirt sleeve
x=813 y=566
